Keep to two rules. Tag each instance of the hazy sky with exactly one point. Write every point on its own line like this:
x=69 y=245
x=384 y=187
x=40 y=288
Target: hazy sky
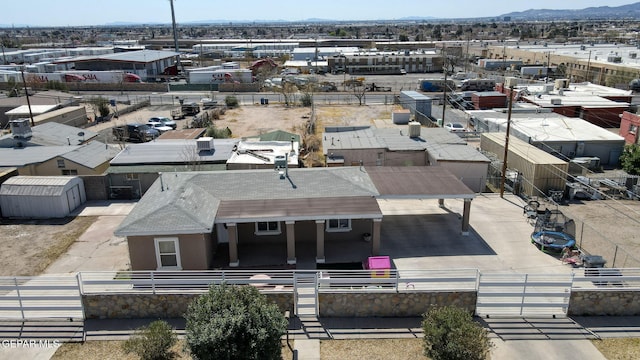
x=100 y=12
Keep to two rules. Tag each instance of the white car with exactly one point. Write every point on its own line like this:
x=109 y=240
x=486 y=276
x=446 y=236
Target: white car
x=160 y=127
x=164 y=121
x=455 y=127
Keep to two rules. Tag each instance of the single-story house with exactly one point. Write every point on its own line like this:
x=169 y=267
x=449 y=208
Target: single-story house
x=86 y=159
x=402 y=146
x=186 y=217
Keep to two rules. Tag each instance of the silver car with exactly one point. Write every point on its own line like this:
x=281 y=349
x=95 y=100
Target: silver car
x=165 y=121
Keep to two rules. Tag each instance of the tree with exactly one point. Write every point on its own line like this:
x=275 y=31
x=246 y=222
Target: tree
x=234 y=322
x=231 y=101
x=630 y=159
x=152 y=342
x=451 y=334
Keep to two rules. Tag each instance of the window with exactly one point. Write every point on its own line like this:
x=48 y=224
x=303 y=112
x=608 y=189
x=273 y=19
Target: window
x=339 y=225
x=268 y=228
x=69 y=172
x=131 y=176
x=168 y=254
x=60 y=163
x=633 y=129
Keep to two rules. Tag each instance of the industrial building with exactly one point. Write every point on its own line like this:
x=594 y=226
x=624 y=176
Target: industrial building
x=553 y=133
x=539 y=171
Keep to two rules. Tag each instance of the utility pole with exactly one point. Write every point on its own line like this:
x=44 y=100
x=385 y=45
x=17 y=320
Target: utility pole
x=546 y=79
x=26 y=92
x=175 y=37
x=444 y=93
x=586 y=77
x=506 y=144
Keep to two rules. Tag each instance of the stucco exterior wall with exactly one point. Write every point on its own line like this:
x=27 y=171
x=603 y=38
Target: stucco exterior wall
x=196 y=251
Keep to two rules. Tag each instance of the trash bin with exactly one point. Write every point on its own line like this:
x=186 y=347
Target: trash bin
x=266 y=101
x=261 y=101
x=592 y=265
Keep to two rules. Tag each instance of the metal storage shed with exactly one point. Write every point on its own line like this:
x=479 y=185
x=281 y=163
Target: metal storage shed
x=41 y=197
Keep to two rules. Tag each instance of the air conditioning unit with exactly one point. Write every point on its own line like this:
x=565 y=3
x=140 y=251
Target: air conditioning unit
x=556 y=101
x=511 y=82
x=21 y=129
x=205 y=144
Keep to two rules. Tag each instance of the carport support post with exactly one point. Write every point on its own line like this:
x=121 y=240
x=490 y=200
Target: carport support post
x=466 y=211
x=441 y=203
x=375 y=241
x=291 y=242
x=233 y=245
x=320 y=242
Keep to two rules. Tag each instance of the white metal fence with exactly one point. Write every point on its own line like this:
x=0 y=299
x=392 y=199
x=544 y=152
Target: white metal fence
x=156 y=282
x=42 y=297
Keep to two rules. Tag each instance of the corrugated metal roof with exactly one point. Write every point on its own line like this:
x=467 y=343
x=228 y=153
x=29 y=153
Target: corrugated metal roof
x=36 y=185
x=154 y=169
x=523 y=149
x=174 y=152
x=547 y=126
x=141 y=56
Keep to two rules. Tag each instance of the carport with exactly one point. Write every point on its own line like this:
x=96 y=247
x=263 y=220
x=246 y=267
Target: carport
x=421 y=182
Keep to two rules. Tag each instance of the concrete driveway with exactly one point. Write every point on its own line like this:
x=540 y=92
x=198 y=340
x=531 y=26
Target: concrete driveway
x=419 y=235
x=97 y=249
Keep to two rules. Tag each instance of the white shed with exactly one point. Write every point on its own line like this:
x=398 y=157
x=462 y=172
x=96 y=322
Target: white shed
x=41 y=197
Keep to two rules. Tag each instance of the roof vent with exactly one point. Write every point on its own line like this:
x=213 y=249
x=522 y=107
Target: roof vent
x=205 y=144
x=414 y=129
x=556 y=101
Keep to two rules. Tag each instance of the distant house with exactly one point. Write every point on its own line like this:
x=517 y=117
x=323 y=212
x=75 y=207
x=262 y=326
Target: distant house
x=86 y=159
x=345 y=146
x=630 y=127
x=186 y=219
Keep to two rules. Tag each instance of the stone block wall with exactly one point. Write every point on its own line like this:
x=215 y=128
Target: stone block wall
x=139 y=306
x=604 y=303
x=391 y=304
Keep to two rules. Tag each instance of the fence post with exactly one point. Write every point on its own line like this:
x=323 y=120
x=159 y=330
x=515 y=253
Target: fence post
x=581 y=234
x=153 y=284
x=615 y=255
x=15 y=281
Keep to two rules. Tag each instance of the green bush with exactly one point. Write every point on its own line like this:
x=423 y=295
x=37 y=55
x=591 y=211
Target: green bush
x=451 y=334
x=234 y=322
x=231 y=101
x=306 y=100
x=152 y=342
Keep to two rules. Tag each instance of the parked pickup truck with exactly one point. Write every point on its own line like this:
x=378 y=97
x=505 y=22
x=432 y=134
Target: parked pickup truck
x=135 y=132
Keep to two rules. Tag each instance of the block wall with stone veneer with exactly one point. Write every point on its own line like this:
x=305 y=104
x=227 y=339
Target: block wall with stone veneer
x=391 y=304
x=138 y=306
x=600 y=303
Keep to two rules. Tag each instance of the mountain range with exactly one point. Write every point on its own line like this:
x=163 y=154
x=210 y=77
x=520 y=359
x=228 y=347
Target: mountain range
x=631 y=11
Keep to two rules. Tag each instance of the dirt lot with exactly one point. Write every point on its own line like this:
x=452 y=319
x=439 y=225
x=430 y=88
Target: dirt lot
x=29 y=246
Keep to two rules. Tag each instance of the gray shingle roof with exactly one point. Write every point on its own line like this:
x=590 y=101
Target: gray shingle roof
x=31 y=155
x=192 y=198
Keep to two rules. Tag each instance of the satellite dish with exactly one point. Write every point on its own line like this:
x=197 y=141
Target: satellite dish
x=81 y=133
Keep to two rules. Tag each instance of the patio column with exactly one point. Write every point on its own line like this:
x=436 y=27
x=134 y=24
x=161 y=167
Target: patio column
x=320 y=241
x=375 y=241
x=233 y=245
x=291 y=242
x=441 y=203
x=466 y=211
